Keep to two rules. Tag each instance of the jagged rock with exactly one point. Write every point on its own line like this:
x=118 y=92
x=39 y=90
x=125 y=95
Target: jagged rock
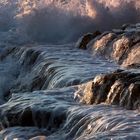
x=123 y=46
x=115 y=92
x=120 y=48
x=133 y=58
x=83 y=41
x=116 y=47
x=131 y=98
x=120 y=45
x=120 y=88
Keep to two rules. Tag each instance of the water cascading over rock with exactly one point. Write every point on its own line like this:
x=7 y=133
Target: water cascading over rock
x=52 y=88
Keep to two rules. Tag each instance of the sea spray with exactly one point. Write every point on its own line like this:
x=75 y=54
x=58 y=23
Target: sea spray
x=61 y=21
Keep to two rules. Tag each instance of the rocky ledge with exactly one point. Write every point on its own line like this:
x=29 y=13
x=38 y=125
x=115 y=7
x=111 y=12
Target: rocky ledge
x=121 y=45
x=117 y=88
x=121 y=87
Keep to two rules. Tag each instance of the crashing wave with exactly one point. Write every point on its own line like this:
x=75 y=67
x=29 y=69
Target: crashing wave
x=61 y=21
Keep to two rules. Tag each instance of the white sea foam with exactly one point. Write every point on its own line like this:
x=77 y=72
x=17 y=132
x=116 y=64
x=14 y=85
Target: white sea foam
x=61 y=21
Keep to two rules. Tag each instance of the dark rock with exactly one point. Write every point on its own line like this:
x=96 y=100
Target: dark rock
x=26 y=117
x=120 y=45
x=102 y=45
x=132 y=100
x=86 y=39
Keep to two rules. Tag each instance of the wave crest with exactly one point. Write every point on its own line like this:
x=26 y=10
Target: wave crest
x=60 y=21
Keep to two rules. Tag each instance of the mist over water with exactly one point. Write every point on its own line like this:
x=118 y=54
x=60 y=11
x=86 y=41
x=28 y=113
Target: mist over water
x=61 y=21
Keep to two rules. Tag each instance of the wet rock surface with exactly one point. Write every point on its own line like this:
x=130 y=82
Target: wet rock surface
x=83 y=41
x=121 y=45
x=120 y=88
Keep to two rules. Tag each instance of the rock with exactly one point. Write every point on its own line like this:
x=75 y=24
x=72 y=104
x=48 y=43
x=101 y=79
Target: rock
x=102 y=44
x=120 y=48
x=120 y=45
x=83 y=41
x=132 y=97
x=133 y=58
x=124 y=45
x=115 y=92
x=119 y=88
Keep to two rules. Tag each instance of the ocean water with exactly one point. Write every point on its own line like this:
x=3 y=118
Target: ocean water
x=62 y=21
x=41 y=70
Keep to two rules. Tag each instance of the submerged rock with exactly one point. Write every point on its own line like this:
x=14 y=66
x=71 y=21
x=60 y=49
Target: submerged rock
x=43 y=110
